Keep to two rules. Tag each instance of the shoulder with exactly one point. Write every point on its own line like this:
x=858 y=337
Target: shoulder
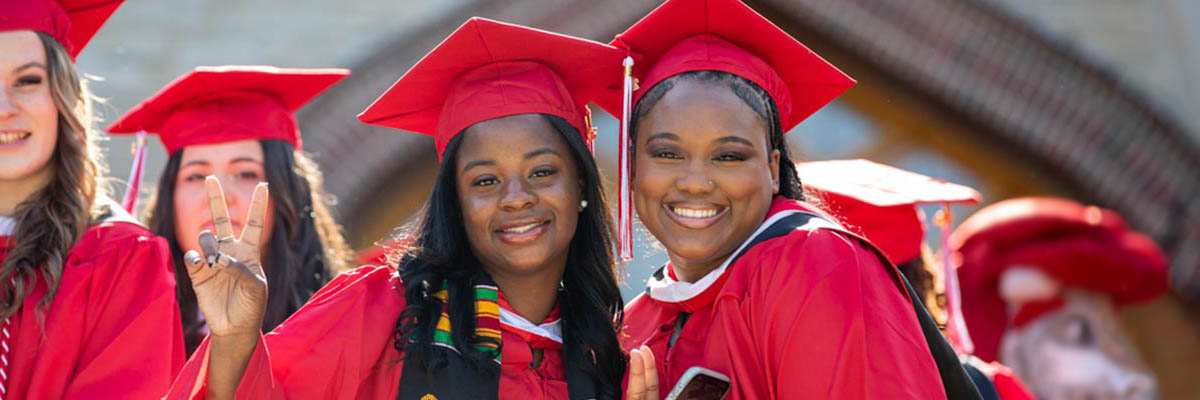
x=114 y=241
x=379 y=284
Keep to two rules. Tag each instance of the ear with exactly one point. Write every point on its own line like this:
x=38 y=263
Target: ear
x=774 y=167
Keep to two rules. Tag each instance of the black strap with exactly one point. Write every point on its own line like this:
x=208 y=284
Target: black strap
x=954 y=377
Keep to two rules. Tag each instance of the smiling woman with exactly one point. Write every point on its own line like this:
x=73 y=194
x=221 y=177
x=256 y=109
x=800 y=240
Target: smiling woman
x=508 y=290
x=235 y=123
x=68 y=250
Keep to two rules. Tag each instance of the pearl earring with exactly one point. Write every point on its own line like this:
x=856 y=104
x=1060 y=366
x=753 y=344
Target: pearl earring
x=583 y=204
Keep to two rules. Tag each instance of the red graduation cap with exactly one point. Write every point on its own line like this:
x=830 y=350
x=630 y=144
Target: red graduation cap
x=223 y=104
x=488 y=69
x=717 y=35
x=228 y=103
x=1080 y=246
x=880 y=201
x=71 y=22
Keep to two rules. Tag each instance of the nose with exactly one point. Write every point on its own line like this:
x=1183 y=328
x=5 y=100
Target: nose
x=231 y=192
x=517 y=195
x=7 y=108
x=695 y=179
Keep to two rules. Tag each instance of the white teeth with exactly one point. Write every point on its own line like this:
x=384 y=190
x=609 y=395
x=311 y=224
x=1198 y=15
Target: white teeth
x=694 y=213
x=522 y=228
x=12 y=137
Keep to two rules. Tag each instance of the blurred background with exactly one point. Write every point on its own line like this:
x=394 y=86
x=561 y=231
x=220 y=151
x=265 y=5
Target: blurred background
x=1096 y=100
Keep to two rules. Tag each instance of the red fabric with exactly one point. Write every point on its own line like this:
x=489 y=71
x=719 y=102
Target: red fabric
x=112 y=330
x=1008 y=386
x=1085 y=247
x=339 y=346
x=228 y=103
x=488 y=69
x=879 y=201
x=812 y=314
x=726 y=35
x=71 y=22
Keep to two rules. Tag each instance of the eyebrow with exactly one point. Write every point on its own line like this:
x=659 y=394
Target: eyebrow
x=541 y=151
x=477 y=163
x=663 y=136
x=734 y=139
x=236 y=160
x=30 y=64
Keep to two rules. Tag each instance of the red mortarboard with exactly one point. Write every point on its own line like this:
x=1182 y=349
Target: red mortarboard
x=1080 y=246
x=488 y=69
x=726 y=35
x=880 y=201
x=71 y=22
x=716 y=35
x=228 y=103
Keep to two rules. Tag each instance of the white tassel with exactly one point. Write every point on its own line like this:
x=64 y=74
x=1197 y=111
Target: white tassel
x=134 y=184
x=624 y=195
x=956 y=326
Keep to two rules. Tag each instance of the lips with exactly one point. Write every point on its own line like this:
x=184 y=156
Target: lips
x=11 y=137
x=695 y=216
x=522 y=231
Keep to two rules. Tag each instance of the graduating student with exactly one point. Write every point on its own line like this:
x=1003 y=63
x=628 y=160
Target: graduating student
x=759 y=287
x=87 y=298
x=880 y=202
x=508 y=290
x=237 y=123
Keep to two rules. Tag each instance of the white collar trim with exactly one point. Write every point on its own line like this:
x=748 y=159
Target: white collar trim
x=7 y=225
x=549 y=330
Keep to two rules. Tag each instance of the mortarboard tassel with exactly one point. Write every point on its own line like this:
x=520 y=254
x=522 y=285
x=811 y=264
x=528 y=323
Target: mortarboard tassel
x=624 y=195
x=956 y=327
x=129 y=202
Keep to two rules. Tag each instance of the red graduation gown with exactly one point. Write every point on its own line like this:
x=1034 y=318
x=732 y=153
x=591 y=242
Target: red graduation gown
x=811 y=314
x=112 y=330
x=339 y=346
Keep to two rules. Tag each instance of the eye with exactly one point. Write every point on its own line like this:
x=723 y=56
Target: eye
x=485 y=181
x=666 y=154
x=250 y=176
x=194 y=177
x=730 y=156
x=543 y=172
x=29 y=80
x=1079 y=332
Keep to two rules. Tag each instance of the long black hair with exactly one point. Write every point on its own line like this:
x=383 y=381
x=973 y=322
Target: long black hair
x=754 y=96
x=306 y=243
x=440 y=257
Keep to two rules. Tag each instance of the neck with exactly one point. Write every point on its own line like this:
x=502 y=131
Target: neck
x=531 y=296
x=692 y=271
x=16 y=191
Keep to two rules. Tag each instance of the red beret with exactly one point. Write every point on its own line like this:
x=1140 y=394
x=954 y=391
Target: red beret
x=1080 y=246
x=71 y=22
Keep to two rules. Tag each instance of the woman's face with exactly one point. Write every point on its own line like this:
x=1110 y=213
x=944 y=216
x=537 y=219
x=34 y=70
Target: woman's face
x=520 y=191
x=703 y=174
x=239 y=166
x=28 y=115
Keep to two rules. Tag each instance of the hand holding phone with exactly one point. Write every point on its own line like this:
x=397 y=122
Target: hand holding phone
x=699 y=383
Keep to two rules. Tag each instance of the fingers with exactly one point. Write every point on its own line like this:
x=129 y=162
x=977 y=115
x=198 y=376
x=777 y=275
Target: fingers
x=252 y=233
x=220 y=212
x=193 y=261
x=636 y=389
x=650 y=373
x=208 y=245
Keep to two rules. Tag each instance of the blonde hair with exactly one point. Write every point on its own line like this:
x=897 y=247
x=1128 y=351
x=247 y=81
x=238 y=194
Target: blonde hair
x=50 y=221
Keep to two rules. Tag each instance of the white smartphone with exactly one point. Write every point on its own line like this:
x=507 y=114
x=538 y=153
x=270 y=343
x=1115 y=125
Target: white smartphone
x=699 y=383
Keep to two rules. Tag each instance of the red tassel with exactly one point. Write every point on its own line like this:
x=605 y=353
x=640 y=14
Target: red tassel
x=625 y=194
x=135 y=173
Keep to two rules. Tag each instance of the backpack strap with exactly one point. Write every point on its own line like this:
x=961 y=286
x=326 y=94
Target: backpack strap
x=954 y=378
